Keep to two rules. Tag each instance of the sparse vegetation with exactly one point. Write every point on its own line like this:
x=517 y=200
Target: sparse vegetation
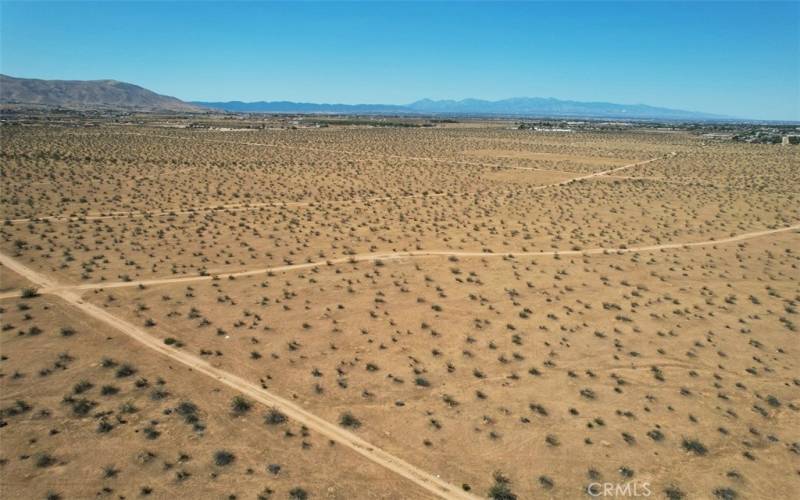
x=223 y=458
x=240 y=405
x=348 y=420
x=516 y=310
x=501 y=489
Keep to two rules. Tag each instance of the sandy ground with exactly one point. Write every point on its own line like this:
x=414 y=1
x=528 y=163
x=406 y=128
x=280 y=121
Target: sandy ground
x=41 y=369
x=477 y=301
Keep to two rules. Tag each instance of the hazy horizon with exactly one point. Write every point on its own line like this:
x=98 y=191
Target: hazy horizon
x=737 y=59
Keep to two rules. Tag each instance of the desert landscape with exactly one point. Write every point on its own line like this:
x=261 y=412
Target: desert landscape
x=460 y=310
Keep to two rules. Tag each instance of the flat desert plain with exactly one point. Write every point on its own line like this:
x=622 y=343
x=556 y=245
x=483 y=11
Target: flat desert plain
x=352 y=312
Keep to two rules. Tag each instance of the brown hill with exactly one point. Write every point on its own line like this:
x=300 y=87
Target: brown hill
x=91 y=94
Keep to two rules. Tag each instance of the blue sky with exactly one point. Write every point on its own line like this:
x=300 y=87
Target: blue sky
x=740 y=58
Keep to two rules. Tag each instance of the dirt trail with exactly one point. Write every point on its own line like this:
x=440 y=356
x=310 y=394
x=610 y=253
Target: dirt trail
x=698 y=183
x=256 y=206
x=432 y=483
x=235 y=207
x=367 y=156
x=373 y=156
x=605 y=172
x=423 y=479
x=384 y=256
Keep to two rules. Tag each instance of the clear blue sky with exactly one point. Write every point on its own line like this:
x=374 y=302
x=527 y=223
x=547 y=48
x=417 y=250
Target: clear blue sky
x=740 y=58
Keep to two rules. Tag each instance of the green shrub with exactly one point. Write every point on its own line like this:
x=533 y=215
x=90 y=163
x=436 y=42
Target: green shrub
x=298 y=494
x=223 y=458
x=348 y=420
x=275 y=417
x=240 y=406
x=694 y=446
x=501 y=489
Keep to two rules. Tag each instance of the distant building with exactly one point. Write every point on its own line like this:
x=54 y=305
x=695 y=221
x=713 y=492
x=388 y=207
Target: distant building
x=547 y=129
x=718 y=136
x=790 y=139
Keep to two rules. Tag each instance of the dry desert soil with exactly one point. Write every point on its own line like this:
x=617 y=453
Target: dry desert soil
x=351 y=312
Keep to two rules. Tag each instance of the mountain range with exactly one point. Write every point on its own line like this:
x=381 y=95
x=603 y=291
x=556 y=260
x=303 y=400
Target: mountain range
x=86 y=95
x=517 y=106
x=115 y=95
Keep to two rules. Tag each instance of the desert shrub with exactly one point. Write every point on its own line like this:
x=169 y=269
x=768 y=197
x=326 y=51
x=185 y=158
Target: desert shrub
x=298 y=494
x=82 y=407
x=186 y=408
x=240 y=406
x=628 y=438
x=223 y=458
x=541 y=410
x=104 y=427
x=82 y=386
x=151 y=433
x=422 y=382
x=45 y=460
x=694 y=446
x=673 y=493
x=348 y=420
x=108 y=363
x=501 y=489
x=158 y=394
x=125 y=370
x=275 y=417
x=449 y=400
x=109 y=390
x=128 y=408
x=18 y=408
x=725 y=494
x=29 y=293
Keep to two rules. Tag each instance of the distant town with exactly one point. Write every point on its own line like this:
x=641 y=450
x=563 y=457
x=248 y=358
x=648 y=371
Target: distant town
x=754 y=133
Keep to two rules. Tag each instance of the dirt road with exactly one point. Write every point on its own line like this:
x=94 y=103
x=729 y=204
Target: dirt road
x=256 y=206
x=371 y=257
x=432 y=483
x=238 y=207
x=423 y=479
x=372 y=156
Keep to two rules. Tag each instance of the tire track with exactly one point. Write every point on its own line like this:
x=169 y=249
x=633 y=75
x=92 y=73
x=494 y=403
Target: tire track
x=371 y=452
x=52 y=287
x=256 y=206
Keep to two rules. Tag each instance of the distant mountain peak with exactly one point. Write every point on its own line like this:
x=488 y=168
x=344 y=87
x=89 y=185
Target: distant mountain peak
x=86 y=94
x=512 y=107
x=114 y=94
x=552 y=107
